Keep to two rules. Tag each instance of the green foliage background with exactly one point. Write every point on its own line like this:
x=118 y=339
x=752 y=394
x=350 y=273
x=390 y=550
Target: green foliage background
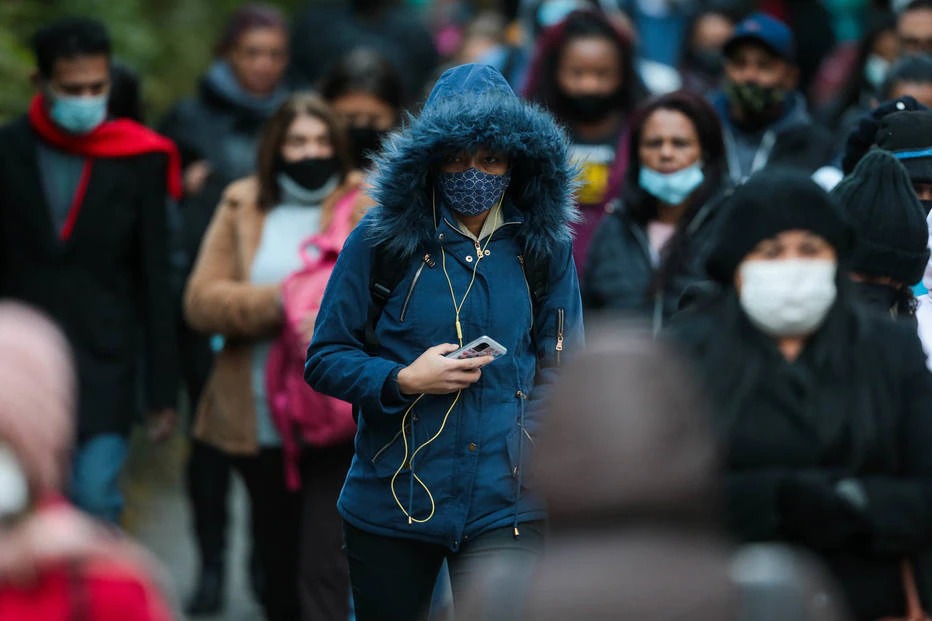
x=167 y=41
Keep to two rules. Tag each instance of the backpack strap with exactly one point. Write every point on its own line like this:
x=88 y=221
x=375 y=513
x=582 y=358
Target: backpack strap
x=537 y=273
x=384 y=276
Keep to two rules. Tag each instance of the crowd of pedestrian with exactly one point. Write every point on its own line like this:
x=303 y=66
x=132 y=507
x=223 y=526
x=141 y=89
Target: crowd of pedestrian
x=353 y=267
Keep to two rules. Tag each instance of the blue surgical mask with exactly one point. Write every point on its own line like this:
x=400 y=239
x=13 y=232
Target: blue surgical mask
x=875 y=70
x=78 y=115
x=671 y=188
x=472 y=191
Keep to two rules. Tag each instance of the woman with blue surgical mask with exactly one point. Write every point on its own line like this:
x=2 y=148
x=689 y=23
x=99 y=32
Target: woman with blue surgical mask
x=649 y=249
x=821 y=405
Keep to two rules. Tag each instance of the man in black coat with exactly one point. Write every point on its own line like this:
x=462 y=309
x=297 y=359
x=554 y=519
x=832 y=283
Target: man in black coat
x=83 y=237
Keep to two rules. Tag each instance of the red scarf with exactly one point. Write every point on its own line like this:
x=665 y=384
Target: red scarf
x=116 y=138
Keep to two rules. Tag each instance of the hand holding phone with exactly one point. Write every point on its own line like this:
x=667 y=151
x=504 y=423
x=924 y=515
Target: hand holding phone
x=482 y=346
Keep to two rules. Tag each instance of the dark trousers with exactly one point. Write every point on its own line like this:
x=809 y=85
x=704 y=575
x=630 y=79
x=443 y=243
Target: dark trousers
x=393 y=578
x=208 y=479
x=323 y=572
x=276 y=517
x=208 y=469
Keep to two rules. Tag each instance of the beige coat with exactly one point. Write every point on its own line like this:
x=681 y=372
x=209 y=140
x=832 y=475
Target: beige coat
x=219 y=299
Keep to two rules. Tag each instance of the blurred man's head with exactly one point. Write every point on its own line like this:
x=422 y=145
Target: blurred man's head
x=760 y=69
x=911 y=75
x=73 y=70
x=599 y=422
x=37 y=400
x=255 y=43
x=914 y=28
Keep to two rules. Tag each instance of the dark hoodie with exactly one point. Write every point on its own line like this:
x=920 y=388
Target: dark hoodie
x=473 y=468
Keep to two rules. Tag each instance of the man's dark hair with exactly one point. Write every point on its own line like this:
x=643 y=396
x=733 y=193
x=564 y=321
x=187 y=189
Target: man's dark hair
x=364 y=71
x=915 y=68
x=69 y=38
x=916 y=5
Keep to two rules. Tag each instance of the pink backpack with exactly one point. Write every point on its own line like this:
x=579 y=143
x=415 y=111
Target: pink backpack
x=302 y=415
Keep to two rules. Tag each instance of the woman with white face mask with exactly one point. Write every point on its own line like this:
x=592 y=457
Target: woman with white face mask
x=651 y=247
x=821 y=405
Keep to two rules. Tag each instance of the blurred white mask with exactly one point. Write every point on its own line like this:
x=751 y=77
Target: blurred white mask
x=14 y=487
x=788 y=297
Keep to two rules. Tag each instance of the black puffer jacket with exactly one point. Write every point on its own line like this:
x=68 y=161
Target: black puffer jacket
x=830 y=451
x=621 y=271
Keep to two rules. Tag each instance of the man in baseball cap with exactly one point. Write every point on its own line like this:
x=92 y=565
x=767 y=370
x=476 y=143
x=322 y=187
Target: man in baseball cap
x=764 y=117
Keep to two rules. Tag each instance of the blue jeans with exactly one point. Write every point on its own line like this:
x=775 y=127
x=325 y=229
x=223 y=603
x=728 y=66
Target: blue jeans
x=95 y=476
x=393 y=579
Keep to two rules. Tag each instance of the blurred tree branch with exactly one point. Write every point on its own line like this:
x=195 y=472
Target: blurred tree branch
x=168 y=42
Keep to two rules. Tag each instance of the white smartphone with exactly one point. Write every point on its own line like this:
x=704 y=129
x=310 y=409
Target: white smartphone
x=482 y=346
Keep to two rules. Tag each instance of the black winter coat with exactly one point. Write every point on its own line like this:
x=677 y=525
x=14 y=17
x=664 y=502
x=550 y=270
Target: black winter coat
x=107 y=286
x=211 y=127
x=799 y=436
x=620 y=271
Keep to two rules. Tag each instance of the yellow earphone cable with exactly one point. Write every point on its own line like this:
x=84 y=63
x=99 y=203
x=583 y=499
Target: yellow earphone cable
x=404 y=419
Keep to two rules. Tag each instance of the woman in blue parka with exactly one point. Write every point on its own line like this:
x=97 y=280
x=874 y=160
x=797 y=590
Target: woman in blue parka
x=474 y=211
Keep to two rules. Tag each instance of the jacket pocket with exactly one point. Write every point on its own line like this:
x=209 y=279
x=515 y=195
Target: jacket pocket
x=521 y=446
x=429 y=262
x=388 y=454
x=385 y=447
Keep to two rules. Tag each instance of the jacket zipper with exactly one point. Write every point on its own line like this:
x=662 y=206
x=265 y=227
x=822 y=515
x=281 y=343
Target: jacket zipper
x=560 y=317
x=425 y=261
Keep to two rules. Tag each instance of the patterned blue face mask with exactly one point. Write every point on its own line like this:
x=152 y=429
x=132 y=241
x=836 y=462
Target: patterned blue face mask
x=472 y=191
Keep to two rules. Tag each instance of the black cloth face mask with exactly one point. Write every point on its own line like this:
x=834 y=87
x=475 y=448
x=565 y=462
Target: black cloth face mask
x=311 y=173
x=588 y=108
x=875 y=296
x=366 y=141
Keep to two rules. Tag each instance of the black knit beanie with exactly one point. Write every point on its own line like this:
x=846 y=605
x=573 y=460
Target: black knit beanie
x=891 y=235
x=908 y=136
x=772 y=201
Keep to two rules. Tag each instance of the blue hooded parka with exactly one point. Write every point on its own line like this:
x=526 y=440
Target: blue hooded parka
x=470 y=478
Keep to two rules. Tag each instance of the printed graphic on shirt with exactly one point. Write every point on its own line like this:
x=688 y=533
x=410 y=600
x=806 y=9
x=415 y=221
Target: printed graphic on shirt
x=595 y=162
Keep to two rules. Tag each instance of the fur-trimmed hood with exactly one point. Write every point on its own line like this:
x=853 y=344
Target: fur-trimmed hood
x=473 y=105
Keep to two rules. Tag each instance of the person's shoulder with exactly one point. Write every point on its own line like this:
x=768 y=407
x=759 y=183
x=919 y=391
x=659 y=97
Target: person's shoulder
x=186 y=106
x=185 y=110
x=242 y=193
x=616 y=224
x=891 y=338
x=17 y=127
x=702 y=318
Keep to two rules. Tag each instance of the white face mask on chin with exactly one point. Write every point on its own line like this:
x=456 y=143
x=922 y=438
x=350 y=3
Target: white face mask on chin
x=788 y=297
